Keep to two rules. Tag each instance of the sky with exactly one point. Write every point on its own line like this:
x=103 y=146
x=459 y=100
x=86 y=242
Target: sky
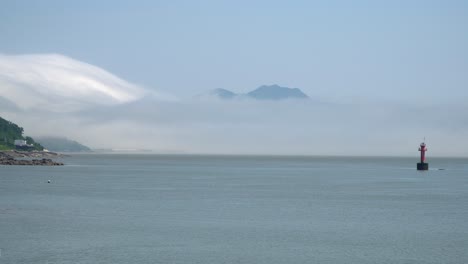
x=366 y=61
x=388 y=49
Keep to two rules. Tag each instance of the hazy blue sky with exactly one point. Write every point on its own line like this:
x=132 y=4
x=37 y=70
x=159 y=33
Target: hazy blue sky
x=343 y=49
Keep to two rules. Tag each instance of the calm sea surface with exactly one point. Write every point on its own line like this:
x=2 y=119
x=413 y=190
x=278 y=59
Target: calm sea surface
x=234 y=209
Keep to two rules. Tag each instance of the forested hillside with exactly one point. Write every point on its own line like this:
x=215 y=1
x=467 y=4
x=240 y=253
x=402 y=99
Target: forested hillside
x=9 y=132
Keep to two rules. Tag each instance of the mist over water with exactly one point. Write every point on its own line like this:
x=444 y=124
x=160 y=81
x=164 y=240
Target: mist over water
x=252 y=127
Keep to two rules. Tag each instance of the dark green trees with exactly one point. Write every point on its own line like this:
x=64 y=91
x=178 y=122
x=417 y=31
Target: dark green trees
x=9 y=132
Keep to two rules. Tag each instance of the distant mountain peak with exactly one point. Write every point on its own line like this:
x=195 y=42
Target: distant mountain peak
x=223 y=93
x=276 y=92
x=218 y=93
x=264 y=92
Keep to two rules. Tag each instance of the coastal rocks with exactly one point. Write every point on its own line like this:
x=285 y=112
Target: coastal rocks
x=33 y=154
x=6 y=159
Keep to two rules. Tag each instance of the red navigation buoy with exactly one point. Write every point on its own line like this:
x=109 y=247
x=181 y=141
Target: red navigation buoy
x=423 y=165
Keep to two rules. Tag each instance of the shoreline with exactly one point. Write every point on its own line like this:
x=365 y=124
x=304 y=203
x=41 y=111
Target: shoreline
x=29 y=158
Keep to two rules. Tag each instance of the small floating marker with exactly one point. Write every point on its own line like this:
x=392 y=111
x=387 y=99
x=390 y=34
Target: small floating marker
x=48 y=181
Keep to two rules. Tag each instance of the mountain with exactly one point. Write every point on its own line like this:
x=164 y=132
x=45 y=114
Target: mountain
x=276 y=92
x=218 y=93
x=223 y=93
x=61 y=144
x=9 y=132
x=264 y=92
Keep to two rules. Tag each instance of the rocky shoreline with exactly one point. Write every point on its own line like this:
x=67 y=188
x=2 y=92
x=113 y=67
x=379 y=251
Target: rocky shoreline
x=28 y=158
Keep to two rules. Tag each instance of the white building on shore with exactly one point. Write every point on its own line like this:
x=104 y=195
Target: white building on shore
x=22 y=144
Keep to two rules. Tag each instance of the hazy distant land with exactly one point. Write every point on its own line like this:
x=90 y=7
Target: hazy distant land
x=62 y=144
x=264 y=92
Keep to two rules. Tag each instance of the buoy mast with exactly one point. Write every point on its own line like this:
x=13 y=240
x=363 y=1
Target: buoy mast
x=423 y=150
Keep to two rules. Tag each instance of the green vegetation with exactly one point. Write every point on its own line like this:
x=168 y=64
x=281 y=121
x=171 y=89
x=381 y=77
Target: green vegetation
x=2 y=147
x=10 y=131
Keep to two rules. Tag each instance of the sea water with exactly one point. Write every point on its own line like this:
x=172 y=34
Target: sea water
x=234 y=209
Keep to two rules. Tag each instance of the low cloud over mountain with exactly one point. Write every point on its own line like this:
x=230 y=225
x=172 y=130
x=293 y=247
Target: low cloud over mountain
x=59 y=83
